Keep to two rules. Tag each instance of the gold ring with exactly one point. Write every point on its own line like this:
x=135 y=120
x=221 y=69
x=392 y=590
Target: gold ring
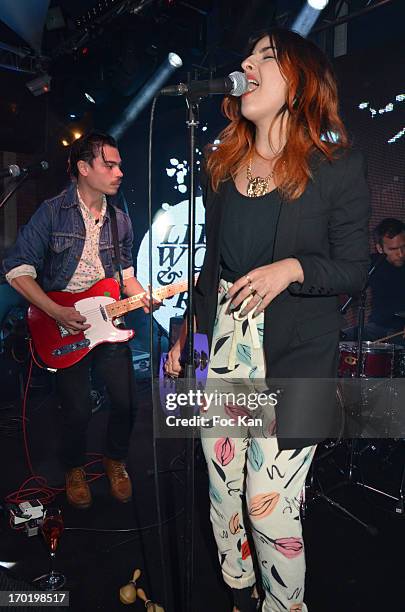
x=249 y=280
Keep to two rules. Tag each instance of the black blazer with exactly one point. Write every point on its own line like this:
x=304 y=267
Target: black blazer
x=326 y=229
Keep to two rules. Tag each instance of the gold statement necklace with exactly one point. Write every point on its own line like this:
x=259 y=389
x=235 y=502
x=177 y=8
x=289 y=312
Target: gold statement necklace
x=257 y=186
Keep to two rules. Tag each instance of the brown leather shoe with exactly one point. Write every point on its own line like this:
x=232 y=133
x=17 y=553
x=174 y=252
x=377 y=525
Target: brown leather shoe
x=121 y=487
x=77 y=490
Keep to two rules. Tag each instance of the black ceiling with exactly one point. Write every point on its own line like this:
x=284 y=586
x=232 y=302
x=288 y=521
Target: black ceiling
x=111 y=47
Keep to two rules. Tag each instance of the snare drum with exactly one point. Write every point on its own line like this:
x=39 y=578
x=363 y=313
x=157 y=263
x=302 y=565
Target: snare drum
x=377 y=360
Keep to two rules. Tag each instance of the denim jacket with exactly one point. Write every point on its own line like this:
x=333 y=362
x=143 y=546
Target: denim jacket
x=53 y=240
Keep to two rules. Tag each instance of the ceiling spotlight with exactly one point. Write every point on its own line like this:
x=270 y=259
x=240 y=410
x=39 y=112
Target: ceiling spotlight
x=318 y=4
x=40 y=85
x=175 y=60
x=65 y=142
x=89 y=97
x=77 y=135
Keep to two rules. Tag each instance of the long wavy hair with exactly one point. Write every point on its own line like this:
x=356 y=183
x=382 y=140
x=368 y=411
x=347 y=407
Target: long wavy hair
x=310 y=110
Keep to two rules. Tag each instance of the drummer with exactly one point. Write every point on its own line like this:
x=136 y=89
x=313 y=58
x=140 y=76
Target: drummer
x=387 y=285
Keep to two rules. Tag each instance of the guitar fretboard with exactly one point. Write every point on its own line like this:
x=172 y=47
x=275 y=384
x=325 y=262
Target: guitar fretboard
x=117 y=309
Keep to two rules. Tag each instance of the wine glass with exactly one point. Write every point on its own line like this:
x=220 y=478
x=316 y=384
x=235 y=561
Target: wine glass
x=52 y=529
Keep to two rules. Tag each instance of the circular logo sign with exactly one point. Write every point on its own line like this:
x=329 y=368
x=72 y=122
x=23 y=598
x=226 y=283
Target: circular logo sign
x=170 y=254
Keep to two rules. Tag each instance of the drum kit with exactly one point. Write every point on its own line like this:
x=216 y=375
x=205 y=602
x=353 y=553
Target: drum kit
x=371 y=394
x=380 y=360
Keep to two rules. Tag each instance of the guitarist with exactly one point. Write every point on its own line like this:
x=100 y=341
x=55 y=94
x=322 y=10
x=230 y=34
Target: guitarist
x=68 y=246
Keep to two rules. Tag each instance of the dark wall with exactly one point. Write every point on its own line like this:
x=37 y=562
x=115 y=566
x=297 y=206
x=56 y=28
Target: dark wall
x=376 y=78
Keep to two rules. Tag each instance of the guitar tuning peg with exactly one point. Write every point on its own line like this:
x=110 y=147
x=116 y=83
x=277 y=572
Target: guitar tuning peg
x=128 y=592
x=149 y=605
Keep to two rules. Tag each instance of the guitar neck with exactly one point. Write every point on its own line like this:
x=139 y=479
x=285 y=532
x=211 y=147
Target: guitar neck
x=117 y=309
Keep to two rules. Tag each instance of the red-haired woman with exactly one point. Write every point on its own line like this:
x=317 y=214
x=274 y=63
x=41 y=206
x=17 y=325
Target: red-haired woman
x=286 y=222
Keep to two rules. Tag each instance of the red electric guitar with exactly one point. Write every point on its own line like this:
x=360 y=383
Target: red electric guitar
x=57 y=348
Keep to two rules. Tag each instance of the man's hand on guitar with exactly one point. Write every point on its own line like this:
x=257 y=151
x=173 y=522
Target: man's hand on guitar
x=173 y=366
x=70 y=319
x=146 y=303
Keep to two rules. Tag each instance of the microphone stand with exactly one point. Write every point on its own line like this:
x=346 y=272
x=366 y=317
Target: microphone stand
x=192 y=123
x=16 y=186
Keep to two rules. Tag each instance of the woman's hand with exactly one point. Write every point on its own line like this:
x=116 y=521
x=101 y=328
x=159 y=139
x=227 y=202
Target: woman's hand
x=264 y=284
x=173 y=366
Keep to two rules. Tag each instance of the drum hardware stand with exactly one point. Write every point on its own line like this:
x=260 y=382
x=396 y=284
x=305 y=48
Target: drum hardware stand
x=319 y=493
x=316 y=492
x=400 y=505
x=350 y=477
x=400 y=500
x=361 y=316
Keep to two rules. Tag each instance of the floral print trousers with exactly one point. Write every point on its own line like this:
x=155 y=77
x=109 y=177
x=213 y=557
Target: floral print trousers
x=255 y=489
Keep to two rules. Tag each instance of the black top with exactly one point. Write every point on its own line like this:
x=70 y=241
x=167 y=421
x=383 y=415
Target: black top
x=249 y=230
x=326 y=229
x=388 y=296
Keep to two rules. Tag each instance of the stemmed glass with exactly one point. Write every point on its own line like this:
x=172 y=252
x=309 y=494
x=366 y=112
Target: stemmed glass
x=52 y=529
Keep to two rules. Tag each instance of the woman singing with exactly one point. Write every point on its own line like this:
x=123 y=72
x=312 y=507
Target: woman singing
x=286 y=223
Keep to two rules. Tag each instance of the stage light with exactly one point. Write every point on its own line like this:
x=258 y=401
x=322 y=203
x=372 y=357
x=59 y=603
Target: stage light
x=89 y=97
x=40 y=85
x=77 y=135
x=308 y=16
x=72 y=115
x=318 y=4
x=65 y=142
x=146 y=94
x=175 y=60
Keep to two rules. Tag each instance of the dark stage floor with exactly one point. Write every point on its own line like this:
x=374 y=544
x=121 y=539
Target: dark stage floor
x=349 y=568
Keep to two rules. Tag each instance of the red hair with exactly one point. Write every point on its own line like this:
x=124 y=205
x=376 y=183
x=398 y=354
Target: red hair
x=311 y=110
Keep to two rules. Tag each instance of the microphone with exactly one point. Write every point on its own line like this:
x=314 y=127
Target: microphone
x=43 y=165
x=235 y=84
x=12 y=170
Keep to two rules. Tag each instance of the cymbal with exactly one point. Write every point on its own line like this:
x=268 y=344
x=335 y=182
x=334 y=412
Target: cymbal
x=400 y=314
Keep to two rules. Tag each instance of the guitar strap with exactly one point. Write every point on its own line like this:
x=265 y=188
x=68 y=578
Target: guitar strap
x=116 y=255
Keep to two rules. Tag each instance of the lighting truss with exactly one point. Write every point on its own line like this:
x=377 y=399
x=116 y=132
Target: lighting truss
x=20 y=59
x=91 y=23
